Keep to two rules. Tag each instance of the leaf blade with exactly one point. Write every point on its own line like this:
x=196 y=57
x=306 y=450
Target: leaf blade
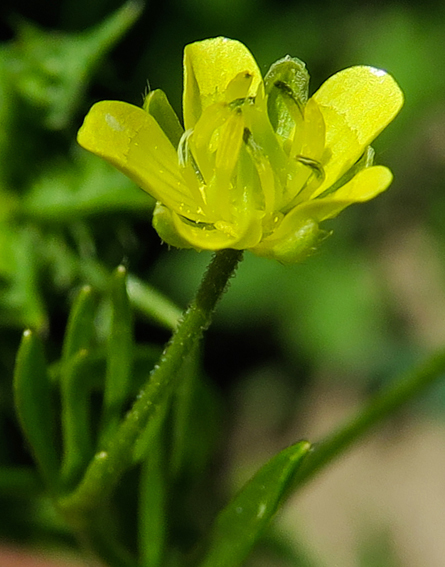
x=241 y=523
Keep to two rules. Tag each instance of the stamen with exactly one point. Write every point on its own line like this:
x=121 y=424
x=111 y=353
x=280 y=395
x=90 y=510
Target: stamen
x=315 y=165
x=185 y=156
x=183 y=148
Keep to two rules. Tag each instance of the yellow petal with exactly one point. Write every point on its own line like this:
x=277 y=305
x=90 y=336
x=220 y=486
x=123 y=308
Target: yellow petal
x=298 y=234
x=209 y=67
x=357 y=104
x=366 y=185
x=244 y=231
x=130 y=139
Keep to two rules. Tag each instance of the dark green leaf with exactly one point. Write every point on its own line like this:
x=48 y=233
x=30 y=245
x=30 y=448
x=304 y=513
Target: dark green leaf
x=196 y=420
x=34 y=407
x=76 y=423
x=80 y=325
x=20 y=482
x=50 y=70
x=241 y=523
x=152 y=502
x=119 y=356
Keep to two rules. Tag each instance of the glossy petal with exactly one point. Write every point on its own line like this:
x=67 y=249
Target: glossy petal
x=357 y=104
x=366 y=185
x=132 y=141
x=244 y=232
x=298 y=235
x=209 y=67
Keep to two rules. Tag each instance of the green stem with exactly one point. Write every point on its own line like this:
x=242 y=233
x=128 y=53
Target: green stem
x=383 y=405
x=108 y=465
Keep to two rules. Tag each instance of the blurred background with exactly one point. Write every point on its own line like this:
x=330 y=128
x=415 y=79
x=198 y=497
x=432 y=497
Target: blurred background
x=294 y=350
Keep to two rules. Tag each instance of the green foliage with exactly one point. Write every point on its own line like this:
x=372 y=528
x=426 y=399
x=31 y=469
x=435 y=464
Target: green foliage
x=241 y=523
x=67 y=219
x=83 y=445
x=34 y=406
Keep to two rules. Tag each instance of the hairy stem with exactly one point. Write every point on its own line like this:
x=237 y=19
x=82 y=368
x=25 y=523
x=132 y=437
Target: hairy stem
x=108 y=465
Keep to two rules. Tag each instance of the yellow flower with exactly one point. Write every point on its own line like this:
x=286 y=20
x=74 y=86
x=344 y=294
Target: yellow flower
x=258 y=164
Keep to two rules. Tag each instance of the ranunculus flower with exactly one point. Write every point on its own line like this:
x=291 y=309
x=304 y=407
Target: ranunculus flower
x=258 y=164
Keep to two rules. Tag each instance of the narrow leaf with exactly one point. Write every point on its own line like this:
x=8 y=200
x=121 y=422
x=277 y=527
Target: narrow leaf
x=241 y=523
x=32 y=395
x=80 y=325
x=152 y=503
x=76 y=423
x=182 y=407
x=120 y=355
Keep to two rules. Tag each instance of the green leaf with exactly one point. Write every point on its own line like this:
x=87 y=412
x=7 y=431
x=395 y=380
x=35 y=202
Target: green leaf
x=80 y=325
x=152 y=505
x=196 y=420
x=19 y=482
x=32 y=395
x=50 y=70
x=152 y=303
x=20 y=300
x=183 y=409
x=79 y=188
x=76 y=422
x=119 y=356
x=241 y=523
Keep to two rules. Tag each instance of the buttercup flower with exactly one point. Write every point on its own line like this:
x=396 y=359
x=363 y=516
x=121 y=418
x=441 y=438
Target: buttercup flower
x=258 y=164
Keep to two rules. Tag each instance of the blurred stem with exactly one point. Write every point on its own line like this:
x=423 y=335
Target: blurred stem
x=382 y=406
x=108 y=465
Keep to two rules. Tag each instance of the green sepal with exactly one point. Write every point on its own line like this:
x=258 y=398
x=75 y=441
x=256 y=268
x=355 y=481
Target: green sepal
x=80 y=326
x=76 y=420
x=163 y=223
x=34 y=405
x=119 y=355
x=287 y=87
x=293 y=241
x=156 y=104
x=242 y=522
